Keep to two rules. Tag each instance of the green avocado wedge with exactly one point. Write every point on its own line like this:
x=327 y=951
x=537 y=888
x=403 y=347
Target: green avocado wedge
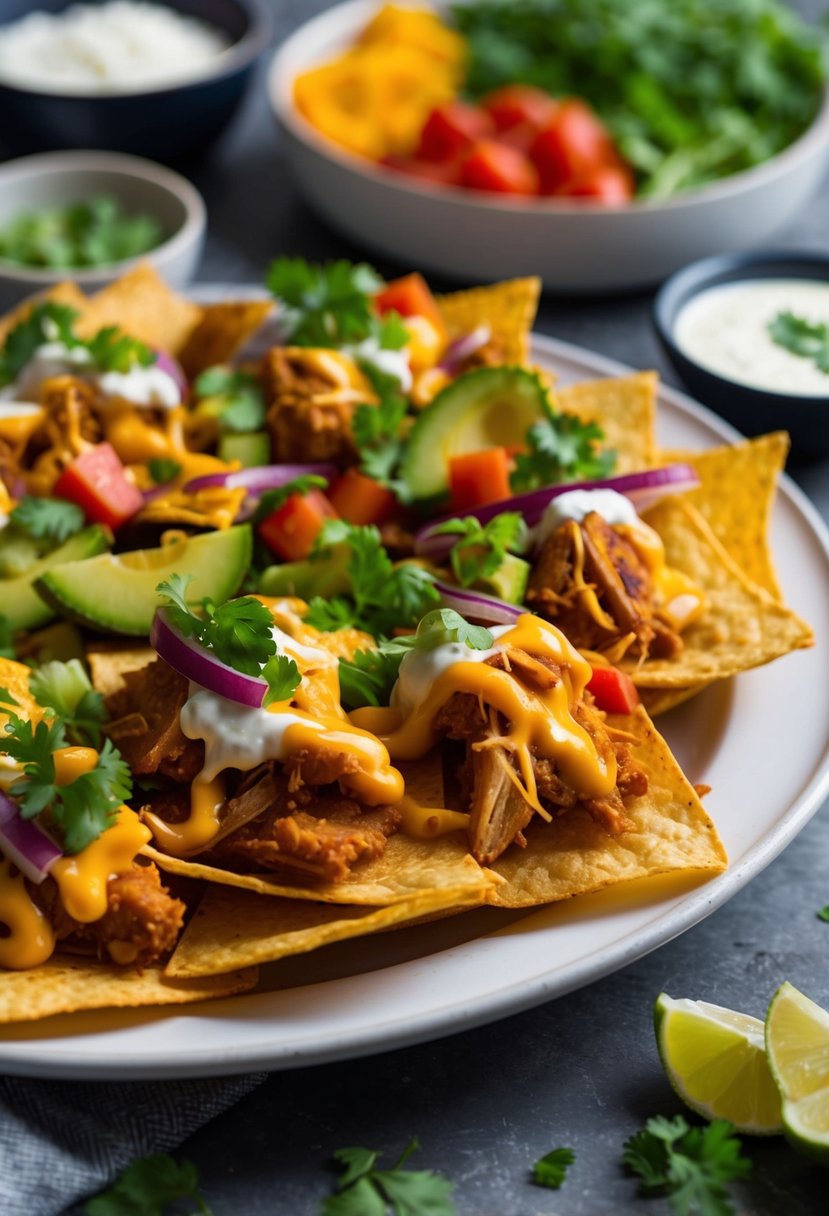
x=489 y=407
x=117 y=592
x=19 y=597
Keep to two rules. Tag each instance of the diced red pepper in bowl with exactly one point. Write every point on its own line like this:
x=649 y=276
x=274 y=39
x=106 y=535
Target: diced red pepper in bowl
x=451 y=129
x=492 y=165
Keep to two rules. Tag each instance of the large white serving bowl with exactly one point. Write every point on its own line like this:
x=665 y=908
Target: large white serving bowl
x=575 y=248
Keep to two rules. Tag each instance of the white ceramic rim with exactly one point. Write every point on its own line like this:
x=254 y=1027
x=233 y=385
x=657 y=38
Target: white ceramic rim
x=354 y=13
x=232 y=59
x=78 y=161
x=59 y=1058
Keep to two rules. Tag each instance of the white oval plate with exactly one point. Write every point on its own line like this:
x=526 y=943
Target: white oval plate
x=761 y=741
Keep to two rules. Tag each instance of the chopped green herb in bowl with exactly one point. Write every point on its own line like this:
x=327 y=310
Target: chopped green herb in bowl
x=95 y=232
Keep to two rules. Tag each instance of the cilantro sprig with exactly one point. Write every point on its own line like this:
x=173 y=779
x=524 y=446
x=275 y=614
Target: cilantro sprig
x=146 y=1188
x=799 y=336
x=65 y=691
x=80 y=810
x=363 y=1190
x=110 y=350
x=238 y=632
x=52 y=519
x=7 y=650
x=233 y=396
x=481 y=548
x=85 y=233
x=378 y=432
x=331 y=305
x=550 y=1170
x=560 y=447
x=690 y=1165
x=382 y=596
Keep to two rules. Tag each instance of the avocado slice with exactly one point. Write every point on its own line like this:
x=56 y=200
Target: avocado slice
x=509 y=580
x=325 y=576
x=489 y=407
x=19 y=597
x=116 y=592
x=252 y=448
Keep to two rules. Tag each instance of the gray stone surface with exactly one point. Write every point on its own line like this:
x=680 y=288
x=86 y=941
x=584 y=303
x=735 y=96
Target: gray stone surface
x=583 y=1070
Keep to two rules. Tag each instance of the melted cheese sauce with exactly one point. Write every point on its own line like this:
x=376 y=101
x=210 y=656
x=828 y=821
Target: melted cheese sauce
x=726 y=330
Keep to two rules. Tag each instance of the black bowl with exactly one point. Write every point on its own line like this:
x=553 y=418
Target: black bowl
x=753 y=410
x=162 y=123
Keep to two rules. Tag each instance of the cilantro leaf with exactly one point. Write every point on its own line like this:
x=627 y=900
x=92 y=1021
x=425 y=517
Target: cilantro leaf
x=114 y=351
x=551 y=1169
x=823 y=914
x=89 y=233
x=47 y=322
x=368 y=677
x=34 y=746
x=445 y=625
x=481 y=548
x=239 y=632
x=233 y=396
x=561 y=448
x=146 y=1188
x=86 y=807
x=383 y=596
x=691 y=1165
x=272 y=500
x=65 y=689
x=377 y=431
x=163 y=470
x=324 y=305
x=7 y=650
x=809 y=339
x=365 y=1191
x=53 y=519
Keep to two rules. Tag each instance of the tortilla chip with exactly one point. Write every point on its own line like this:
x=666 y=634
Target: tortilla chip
x=68 y=984
x=109 y=662
x=671 y=832
x=233 y=929
x=659 y=700
x=625 y=409
x=408 y=869
x=508 y=308
x=224 y=329
x=743 y=626
x=67 y=293
x=739 y=483
x=143 y=306
x=14 y=679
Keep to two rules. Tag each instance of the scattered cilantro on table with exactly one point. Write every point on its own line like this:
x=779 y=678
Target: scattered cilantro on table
x=233 y=396
x=383 y=596
x=481 y=548
x=92 y=233
x=560 y=447
x=53 y=519
x=331 y=305
x=690 y=1165
x=689 y=90
x=823 y=914
x=551 y=1169
x=238 y=632
x=363 y=1190
x=146 y=1188
x=809 y=339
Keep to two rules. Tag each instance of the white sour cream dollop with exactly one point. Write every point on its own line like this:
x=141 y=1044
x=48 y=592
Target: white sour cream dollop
x=614 y=508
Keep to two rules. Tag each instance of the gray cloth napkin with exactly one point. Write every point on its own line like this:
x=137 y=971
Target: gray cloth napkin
x=61 y=1141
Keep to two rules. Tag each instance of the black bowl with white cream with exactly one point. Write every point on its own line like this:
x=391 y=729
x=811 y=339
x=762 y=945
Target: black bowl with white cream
x=749 y=336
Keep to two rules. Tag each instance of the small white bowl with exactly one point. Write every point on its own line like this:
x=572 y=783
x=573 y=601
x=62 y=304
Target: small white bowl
x=584 y=247
x=54 y=179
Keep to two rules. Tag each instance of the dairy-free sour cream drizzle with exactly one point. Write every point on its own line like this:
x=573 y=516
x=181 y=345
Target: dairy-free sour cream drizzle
x=726 y=331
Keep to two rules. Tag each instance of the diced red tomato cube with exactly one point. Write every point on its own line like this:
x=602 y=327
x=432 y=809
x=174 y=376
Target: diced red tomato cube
x=98 y=483
x=361 y=499
x=613 y=690
x=492 y=165
x=520 y=103
x=291 y=530
x=451 y=129
x=610 y=184
x=410 y=297
x=476 y=478
x=574 y=142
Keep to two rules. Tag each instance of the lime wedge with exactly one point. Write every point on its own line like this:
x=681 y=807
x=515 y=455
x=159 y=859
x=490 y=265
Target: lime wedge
x=716 y=1061
x=797 y=1043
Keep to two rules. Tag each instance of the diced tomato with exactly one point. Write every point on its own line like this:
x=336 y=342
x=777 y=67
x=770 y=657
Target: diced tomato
x=492 y=165
x=477 y=478
x=410 y=297
x=519 y=137
x=614 y=691
x=290 y=530
x=611 y=184
x=520 y=103
x=574 y=142
x=97 y=482
x=361 y=499
x=440 y=172
x=451 y=129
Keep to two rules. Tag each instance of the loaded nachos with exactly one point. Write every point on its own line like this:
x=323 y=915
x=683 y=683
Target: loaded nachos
x=306 y=642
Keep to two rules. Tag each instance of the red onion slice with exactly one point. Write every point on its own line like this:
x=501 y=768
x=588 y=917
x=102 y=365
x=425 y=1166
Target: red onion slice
x=257 y=480
x=166 y=363
x=196 y=663
x=463 y=348
x=24 y=843
x=643 y=489
x=476 y=606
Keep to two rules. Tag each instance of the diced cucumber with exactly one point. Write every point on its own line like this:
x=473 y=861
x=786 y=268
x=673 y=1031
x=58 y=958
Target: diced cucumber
x=486 y=408
x=116 y=592
x=20 y=599
x=253 y=449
